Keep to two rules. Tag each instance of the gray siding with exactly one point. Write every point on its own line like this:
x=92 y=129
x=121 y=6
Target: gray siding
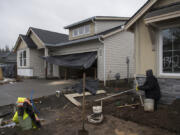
x=101 y=26
x=118 y=47
x=37 y=63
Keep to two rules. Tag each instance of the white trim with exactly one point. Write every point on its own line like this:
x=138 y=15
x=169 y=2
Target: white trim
x=19 y=53
x=161 y=74
x=83 y=32
x=162 y=17
x=140 y=13
x=30 y=29
x=25 y=72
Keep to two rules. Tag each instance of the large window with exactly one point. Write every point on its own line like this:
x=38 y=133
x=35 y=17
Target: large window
x=171 y=50
x=22 y=58
x=81 y=31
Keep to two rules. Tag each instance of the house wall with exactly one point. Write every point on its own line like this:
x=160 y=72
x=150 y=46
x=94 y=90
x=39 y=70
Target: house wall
x=84 y=47
x=21 y=47
x=37 y=63
x=92 y=28
x=117 y=48
x=145 y=57
x=24 y=71
x=101 y=26
x=148 y=59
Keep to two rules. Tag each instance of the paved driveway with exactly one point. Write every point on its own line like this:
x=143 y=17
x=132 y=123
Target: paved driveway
x=10 y=92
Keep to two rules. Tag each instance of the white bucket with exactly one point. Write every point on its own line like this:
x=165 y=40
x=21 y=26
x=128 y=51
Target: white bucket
x=149 y=105
x=58 y=93
x=97 y=109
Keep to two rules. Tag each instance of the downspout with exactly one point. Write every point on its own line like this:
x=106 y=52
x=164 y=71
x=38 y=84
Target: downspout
x=104 y=60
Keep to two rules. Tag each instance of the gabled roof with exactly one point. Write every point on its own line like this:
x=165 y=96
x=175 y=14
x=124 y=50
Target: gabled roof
x=91 y=19
x=28 y=41
x=7 y=57
x=4 y=54
x=49 y=37
x=139 y=13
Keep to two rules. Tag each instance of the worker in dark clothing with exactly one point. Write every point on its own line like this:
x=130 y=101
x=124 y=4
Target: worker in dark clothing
x=151 y=88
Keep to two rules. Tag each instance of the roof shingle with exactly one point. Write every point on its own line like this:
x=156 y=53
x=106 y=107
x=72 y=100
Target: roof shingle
x=28 y=41
x=49 y=37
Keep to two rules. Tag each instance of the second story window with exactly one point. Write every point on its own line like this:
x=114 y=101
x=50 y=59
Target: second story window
x=81 y=31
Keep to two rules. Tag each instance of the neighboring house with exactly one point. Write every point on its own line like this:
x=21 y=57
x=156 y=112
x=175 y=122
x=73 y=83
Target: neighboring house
x=7 y=58
x=102 y=35
x=31 y=47
x=157 y=44
x=105 y=36
x=8 y=64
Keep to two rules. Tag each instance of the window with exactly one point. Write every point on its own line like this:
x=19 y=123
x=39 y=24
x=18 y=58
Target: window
x=171 y=50
x=22 y=58
x=81 y=31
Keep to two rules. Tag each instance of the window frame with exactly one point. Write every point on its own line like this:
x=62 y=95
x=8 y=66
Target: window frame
x=161 y=73
x=83 y=28
x=22 y=59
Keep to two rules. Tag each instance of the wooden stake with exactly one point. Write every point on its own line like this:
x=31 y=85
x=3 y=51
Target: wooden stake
x=95 y=73
x=83 y=102
x=65 y=73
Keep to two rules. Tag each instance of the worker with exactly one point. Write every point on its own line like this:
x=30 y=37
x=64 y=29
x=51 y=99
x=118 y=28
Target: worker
x=25 y=115
x=151 y=88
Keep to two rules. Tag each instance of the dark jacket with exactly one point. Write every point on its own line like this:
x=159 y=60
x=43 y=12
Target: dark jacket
x=151 y=86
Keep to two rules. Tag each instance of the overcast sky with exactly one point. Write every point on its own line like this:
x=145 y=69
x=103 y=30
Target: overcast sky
x=17 y=15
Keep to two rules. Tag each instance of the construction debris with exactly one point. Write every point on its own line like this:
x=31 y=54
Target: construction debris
x=12 y=124
x=114 y=95
x=126 y=105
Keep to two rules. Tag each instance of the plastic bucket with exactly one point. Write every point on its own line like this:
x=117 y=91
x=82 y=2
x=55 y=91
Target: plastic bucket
x=97 y=109
x=149 y=105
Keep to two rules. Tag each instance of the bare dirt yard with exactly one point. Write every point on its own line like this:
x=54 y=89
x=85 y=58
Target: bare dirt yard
x=62 y=117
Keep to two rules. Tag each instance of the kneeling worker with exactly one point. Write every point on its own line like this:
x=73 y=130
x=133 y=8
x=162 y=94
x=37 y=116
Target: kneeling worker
x=151 y=88
x=25 y=115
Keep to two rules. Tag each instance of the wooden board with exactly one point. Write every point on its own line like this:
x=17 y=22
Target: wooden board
x=71 y=97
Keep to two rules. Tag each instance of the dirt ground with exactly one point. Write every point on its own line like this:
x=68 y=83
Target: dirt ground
x=61 y=117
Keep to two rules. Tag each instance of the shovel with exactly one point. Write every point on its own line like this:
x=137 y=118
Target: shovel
x=83 y=131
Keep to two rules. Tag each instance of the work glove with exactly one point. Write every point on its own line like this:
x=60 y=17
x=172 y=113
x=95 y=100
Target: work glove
x=137 y=88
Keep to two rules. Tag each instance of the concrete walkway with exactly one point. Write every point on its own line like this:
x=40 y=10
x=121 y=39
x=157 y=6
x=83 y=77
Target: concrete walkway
x=10 y=92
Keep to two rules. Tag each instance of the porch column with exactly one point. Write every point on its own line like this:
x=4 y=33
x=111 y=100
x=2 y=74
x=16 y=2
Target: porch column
x=46 y=53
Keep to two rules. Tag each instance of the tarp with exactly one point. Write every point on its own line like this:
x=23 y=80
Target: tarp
x=91 y=85
x=77 y=61
x=9 y=70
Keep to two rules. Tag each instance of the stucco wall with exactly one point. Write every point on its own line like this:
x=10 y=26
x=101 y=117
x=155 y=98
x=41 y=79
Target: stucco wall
x=84 y=47
x=101 y=26
x=145 y=57
x=37 y=63
x=117 y=48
